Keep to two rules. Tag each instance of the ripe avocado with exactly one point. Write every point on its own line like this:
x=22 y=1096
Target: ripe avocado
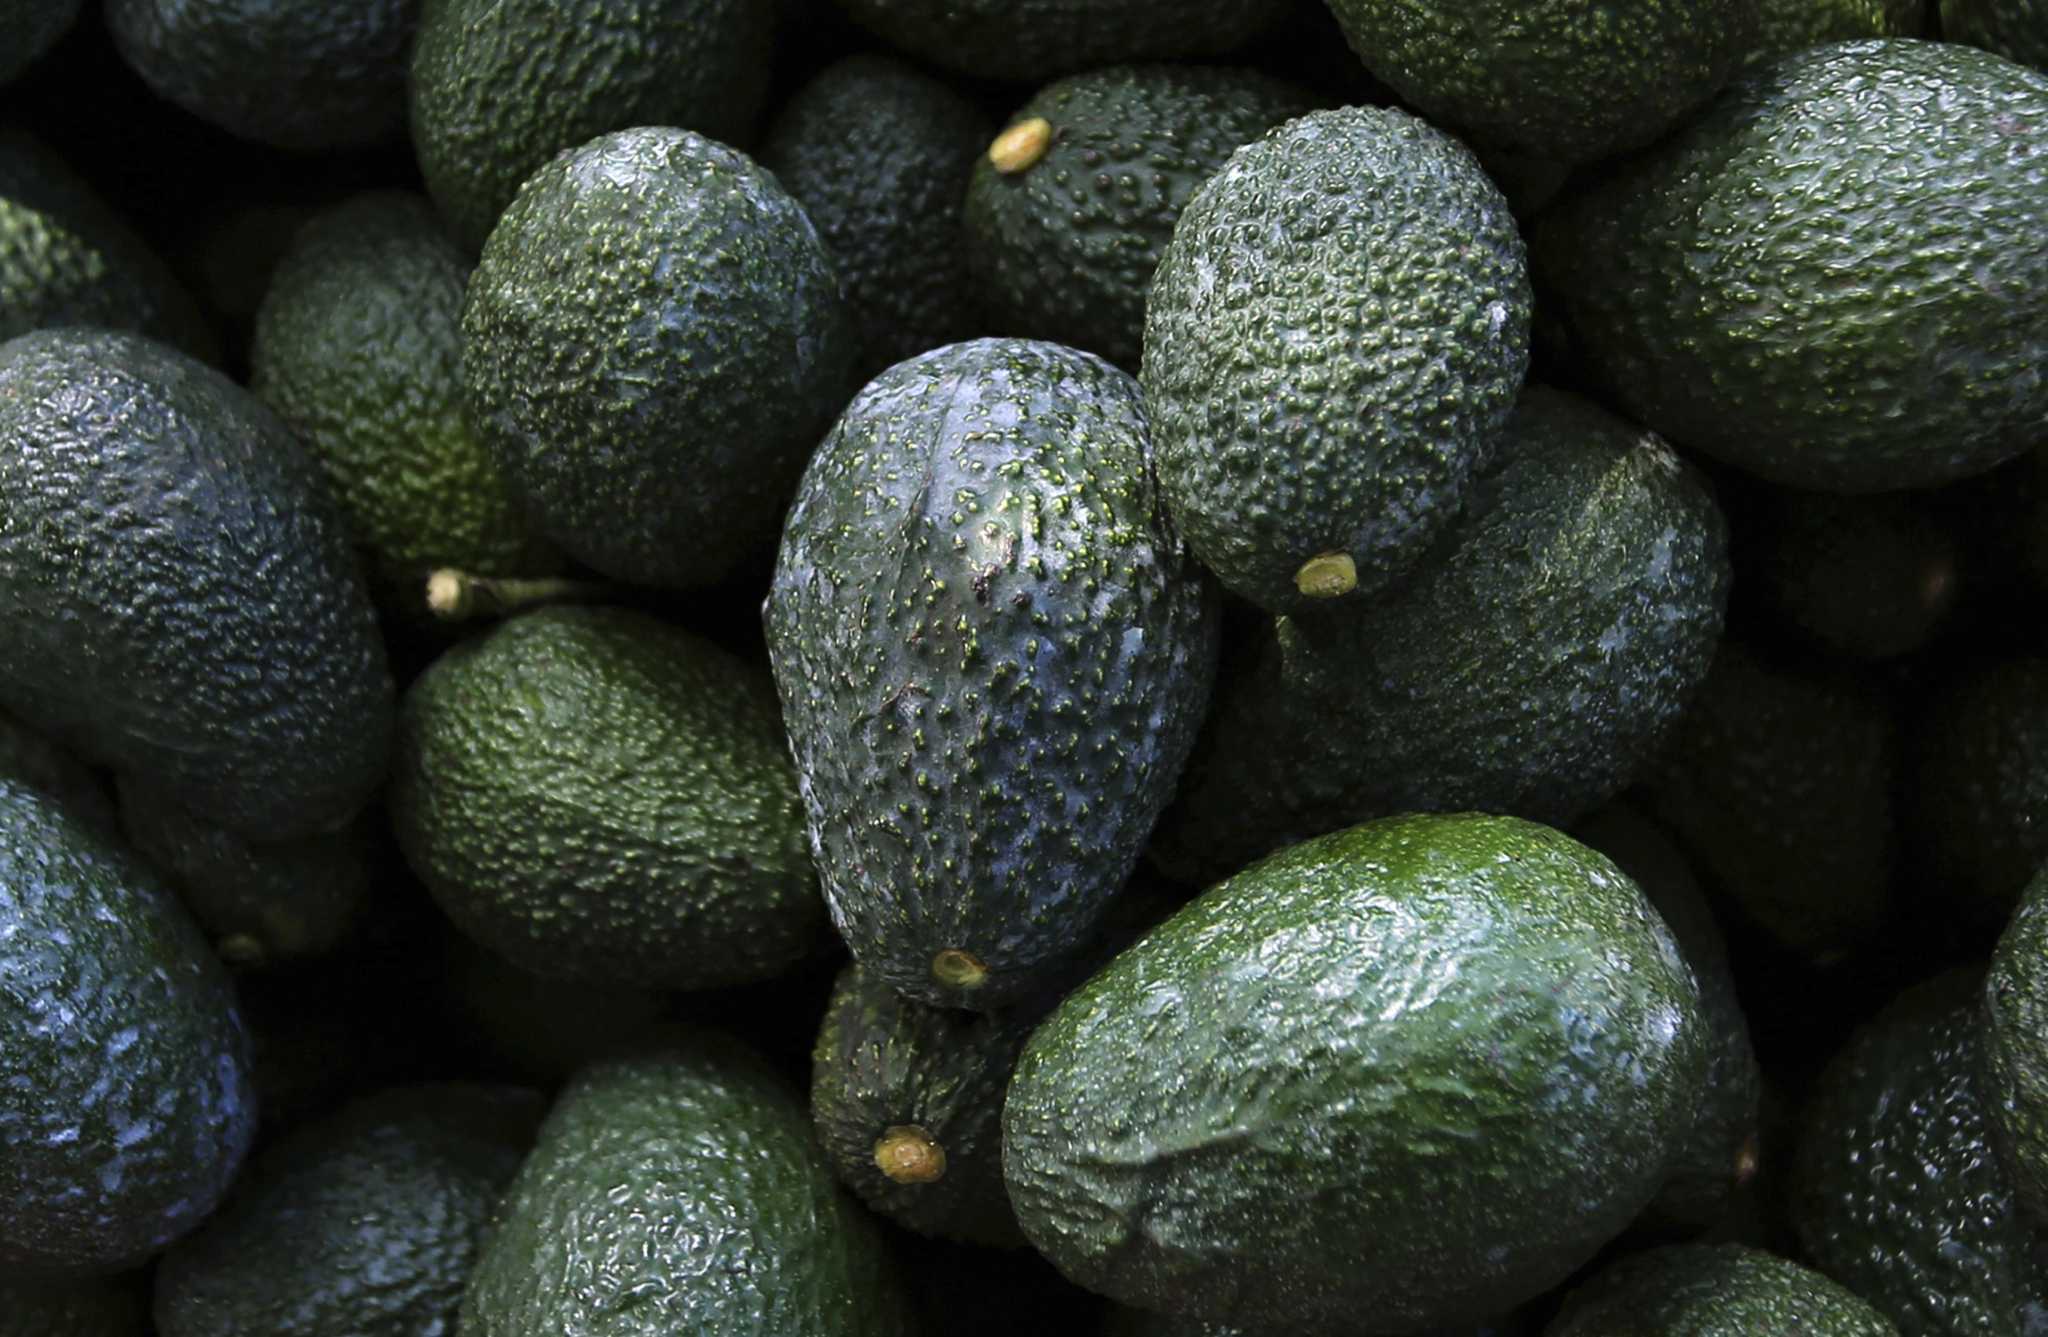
x=598 y=796
x=1406 y=1074
x=1714 y=1290
x=499 y=87
x=1030 y=41
x=100 y=1307
x=125 y=1105
x=879 y=153
x=1831 y=279
x=993 y=653
x=680 y=1191
x=1982 y=782
x=652 y=341
x=1064 y=234
x=177 y=595
x=1570 y=82
x=1333 y=343
x=1785 y=26
x=2014 y=28
x=2014 y=1082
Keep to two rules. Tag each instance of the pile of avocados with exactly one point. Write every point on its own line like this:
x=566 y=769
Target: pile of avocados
x=1156 y=668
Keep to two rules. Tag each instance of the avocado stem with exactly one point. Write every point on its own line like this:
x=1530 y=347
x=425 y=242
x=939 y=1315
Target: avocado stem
x=1020 y=147
x=1327 y=575
x=959 y=970
x=456 y=595
x=909 y=1155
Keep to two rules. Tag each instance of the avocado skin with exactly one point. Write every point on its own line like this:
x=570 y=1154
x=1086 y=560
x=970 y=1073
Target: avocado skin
x=1307 y=286
x=1028 y=41
x=1785 y=26
x=1862 y=577
x=1982 y=782
x=177 y=596
x=878 y=153
x=1570 y=82
x=2017 y=29
x=365 y=1224
x=598 y=796
x=1700 y=290
x=993 y=653
x=1714 y=1290
x=296 y=74
x=100 y=1307
x=1403 y=1075
x=2014 y=1082
x=34 y=26
x=652 y=341
x=125 y=1105
x=358 y=346
x=680 y=1191
x=499 y=87
x=1898 y=1192
x=1065 y=249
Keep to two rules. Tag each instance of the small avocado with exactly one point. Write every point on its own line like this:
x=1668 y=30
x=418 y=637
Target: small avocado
x=1981 y=787
x=1714 y=1290
x=1030 y=41
x=2014 y=1082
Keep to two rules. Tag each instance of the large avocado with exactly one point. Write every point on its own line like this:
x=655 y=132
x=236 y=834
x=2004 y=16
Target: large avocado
x=1714 y=1290
x=1030 y=40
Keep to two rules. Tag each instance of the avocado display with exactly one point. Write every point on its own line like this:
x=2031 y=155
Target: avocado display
x=1334 y=340
x=1981 y=785
x=1714 y=1290
x=1032 y=40
x=993 y=652
x=1785 y=26
x=2014 y=28
x=2014 y=1081
x=101 y=1307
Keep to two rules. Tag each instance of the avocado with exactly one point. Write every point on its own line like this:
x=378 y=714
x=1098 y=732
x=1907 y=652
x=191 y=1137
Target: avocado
x=680 y=1191
x=1981 y=786
x=1571 y=82
x=369 y=1221
x=66 y=258
x=1765 y=285
x=652 y=341
x=498 y=87
x=100 y=1307
x=39 y=764
x=1333 y=342
x=33 y=27
x=125 y=1105
x=358 y=346
x=1785 y=26
x=1071 y=207
x=600 y=797
x=993 y=653
x=1402 y=1075
x=878 y=153
x=1898 y=1192
x=1714 y=1290
x=535 y=1029
x=2014 y=28
x=1863 y=577
x=1029 y=41
x=296 y=74
x=1531 y=664
x=2014 y=1081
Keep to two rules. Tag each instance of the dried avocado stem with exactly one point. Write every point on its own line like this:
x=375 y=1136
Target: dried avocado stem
x=1327 y=575
x=454 y=595
x=1020 y=147
x=909 y=1155
x=959 y=970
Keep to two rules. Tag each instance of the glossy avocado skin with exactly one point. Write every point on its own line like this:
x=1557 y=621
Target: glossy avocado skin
x=680 y=1191
x=1404 y=1075
x=2014 y=28
x=1065 y=249
x=1898 y=1191
x=125 y=1104
x=2014 y=1082
x=598 y=796
x=1701 y=293
x=878 y=153
x=100 y=1307
x=498 y=87
x=366 y=1224
x=1714 y=1290
x=178 y=599
x=993 y=652
x=1982 y=781
x=1031 y=40
x=1304 y=285
x=653 y=340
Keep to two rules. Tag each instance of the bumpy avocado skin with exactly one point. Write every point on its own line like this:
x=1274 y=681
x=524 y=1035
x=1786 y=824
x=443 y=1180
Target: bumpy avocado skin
x=358 y=346
x=2015 y=1045
x=1065 y=249
x=498 y=87
x=368 y=1222
x=993 y=653
x=879 y=153
x=1032 y=40
x=2014 y=28
x=1403 y=1075
x=178 y=599
x=125 y=1105
x=100 y=1307
x=1785 y=26
x=596 y=795
x=1898 y=1192
x=1831 y=278
x=681 y=1192
x=1334 y=340
x=1570 y=82
x=1982 y=782
x=654 y=339
x=1714 y=1290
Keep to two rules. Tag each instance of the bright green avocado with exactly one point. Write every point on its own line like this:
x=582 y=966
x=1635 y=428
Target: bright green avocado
x=1714 y=1290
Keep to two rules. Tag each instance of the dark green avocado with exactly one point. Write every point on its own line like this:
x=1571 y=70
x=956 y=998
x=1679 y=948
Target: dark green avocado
x=499 y=87
x=1714 y=1290
x=125 y=1105
x=33 y=27
x=1032 y=40
x=1071 y=207
x=2014 y=28
x=653 y=340
x=1334 y=340
x=2014 y=1082
x=1981 y=787
x=1864 y=577
x=993 y=652
x=1407 y=1074
x=1785 y=26
x=100 y=1307
x=680 y=1191
x=178 y=599
x=878 y=153
x=1831 y=279
x=368 y=1222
